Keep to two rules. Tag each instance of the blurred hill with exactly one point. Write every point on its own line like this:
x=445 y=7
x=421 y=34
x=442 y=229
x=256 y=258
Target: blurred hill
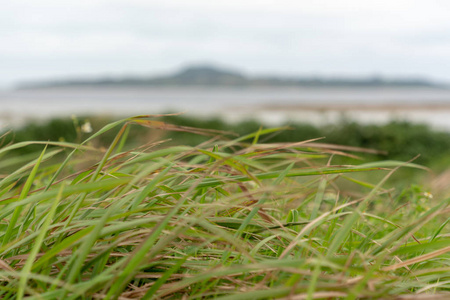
x=206 y=75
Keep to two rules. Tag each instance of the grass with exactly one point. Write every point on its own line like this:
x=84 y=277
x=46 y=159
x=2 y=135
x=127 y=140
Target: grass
x=396 y=140
x=228 y=219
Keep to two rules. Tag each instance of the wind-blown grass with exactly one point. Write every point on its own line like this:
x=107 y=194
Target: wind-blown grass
x=228 y=219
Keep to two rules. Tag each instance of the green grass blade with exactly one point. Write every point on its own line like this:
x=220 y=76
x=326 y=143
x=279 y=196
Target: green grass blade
x=17 y=211
x=37 y=246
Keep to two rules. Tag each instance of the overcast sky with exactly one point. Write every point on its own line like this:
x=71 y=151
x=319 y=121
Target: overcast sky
x=53 y=39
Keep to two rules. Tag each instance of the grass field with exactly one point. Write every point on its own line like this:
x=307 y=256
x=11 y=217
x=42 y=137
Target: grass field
x=231 y=218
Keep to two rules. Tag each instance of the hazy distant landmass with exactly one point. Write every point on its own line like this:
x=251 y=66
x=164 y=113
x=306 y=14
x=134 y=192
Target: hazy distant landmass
x=210 y=76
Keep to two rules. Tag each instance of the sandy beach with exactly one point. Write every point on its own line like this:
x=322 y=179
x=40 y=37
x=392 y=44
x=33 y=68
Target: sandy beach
x=385 y=107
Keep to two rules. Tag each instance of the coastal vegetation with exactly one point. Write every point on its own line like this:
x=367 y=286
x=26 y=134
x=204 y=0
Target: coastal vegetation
x=140 y=209
x=398 y=140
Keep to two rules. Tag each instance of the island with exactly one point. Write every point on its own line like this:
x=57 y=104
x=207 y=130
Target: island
x=211 y=76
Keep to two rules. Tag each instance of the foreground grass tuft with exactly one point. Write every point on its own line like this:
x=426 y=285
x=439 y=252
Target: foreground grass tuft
x=228 y=219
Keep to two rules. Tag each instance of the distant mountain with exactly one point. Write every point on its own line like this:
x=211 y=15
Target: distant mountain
x=213 y=76
x=203 y=75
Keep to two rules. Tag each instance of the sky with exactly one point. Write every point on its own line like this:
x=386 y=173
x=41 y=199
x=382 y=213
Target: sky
x=53 y=39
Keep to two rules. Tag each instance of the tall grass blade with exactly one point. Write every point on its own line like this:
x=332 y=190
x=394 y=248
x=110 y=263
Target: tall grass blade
x=18 y=210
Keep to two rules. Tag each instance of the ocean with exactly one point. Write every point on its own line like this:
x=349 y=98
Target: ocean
x=269 y=105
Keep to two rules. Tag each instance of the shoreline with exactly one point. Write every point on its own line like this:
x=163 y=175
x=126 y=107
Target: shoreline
x=354 y=107
x=433 y=114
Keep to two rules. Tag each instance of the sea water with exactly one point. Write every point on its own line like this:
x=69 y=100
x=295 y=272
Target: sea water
x=267 y=104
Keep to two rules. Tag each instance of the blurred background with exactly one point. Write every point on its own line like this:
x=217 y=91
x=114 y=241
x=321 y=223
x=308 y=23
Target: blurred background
x=319 y=63
x=274 y=60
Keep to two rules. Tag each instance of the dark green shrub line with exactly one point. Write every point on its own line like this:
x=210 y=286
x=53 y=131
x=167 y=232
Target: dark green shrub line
x=400 y=140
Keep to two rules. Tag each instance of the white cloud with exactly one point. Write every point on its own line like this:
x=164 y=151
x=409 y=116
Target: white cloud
x=321 y=36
